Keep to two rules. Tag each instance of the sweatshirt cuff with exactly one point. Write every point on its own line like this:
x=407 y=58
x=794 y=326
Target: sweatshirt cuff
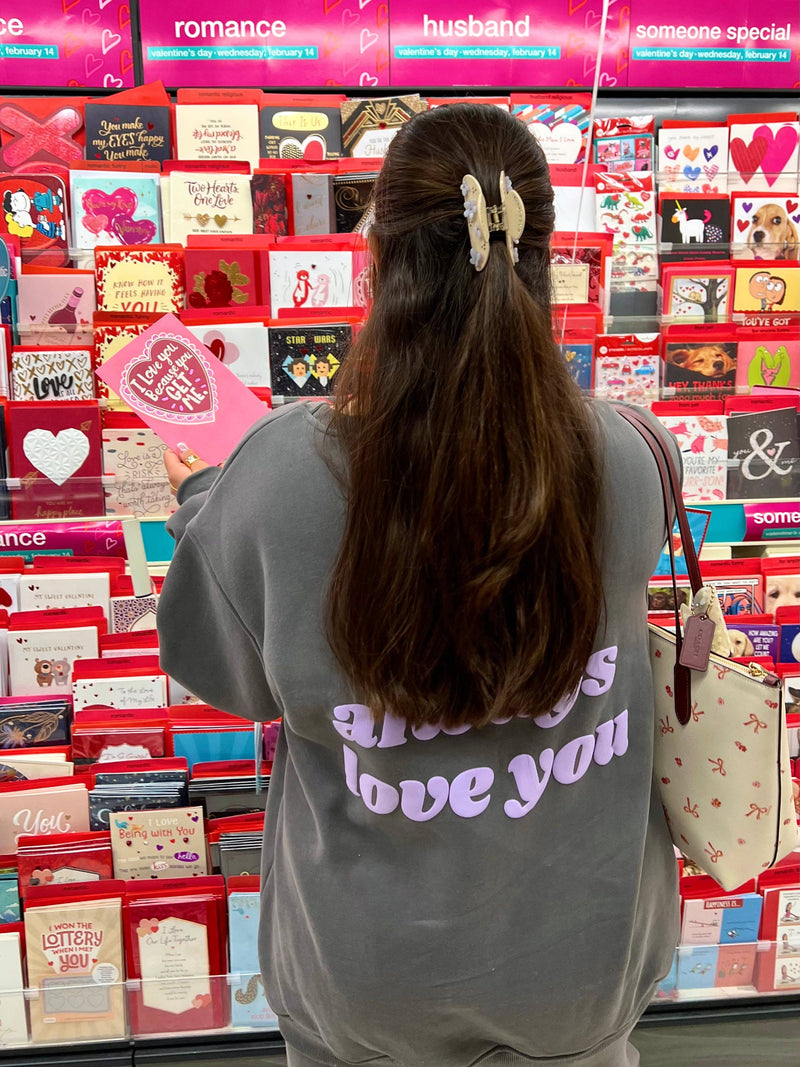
x=199 y=482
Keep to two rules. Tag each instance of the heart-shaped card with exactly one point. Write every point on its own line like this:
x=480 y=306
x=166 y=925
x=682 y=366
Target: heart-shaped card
x=183 y=393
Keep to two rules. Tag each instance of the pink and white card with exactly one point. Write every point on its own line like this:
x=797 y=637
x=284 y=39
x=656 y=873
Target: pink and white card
x=764 y=156
x=176 y=385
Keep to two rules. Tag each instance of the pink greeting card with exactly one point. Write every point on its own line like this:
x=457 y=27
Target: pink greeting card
x=183 y=393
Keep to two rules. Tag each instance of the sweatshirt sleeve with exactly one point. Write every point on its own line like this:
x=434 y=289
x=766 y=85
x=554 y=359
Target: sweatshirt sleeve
x=203 y=642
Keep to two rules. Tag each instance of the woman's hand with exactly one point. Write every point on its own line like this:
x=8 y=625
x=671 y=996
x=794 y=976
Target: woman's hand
x=180 y=464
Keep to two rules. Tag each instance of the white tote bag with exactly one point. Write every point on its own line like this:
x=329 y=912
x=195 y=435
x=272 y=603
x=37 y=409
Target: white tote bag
x=721 y=756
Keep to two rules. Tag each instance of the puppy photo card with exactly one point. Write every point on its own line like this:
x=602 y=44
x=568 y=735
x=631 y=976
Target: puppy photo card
x=697 y=292
x=700 y=362
x=765 y=226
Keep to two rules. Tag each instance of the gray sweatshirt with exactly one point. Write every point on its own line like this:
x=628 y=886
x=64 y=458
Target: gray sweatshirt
x=430 y=897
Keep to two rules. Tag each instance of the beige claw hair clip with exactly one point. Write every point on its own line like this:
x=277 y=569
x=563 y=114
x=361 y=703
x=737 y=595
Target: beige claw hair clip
x=508 y=215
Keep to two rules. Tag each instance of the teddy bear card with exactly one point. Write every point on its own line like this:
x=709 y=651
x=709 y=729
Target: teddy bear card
x=182 y=391
x=42 y=647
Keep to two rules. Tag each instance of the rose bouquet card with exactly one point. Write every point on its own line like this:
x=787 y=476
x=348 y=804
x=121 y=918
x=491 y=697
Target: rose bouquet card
x=183 y=393
x=114 y=209
x=270 y=203
x=765 y=226
x=52 y=373
x=75 y=961
x=219 y=277
x=140 y=278
x=54 y=449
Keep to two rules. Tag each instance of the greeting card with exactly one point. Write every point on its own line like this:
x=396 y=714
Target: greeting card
x=160 y=844
x=764 y=155
x=182 y=391
x=34 y=722
x=699 y=368
x=51 y=806
x=41 y=129
x=311 y=279
x=13 y=1018
x=301 y=127
x=771 y=287
x=242 y=347
x=42 y=647
x=114 y=209
x=108 y=735
x=697 y=292
x=127 y=133
x=249 y=1005
x=764 y=454
x=175 y=935
x=695 y=219
x=62 y=859
x=55 y=308
x=112 y=330
x=218 y=131
x=52 y=373
x=560 y=122
x=352 y=195
x=208 y=203
x=270 y=203
x=54 y=449
x=692 y=159
x=754 y=635
x=768 y=358
x=369 y=126
x=703 y=443
x=121 y=682
x=75 y=961
x=220 y=277
x=140 y=278
x=35 y=212
x=136 y=482
x=305 y=359
x=765 y=226
x=573 y=201
x=131 y=614
x=721 y=920
x=39 y=591
x=312 y=209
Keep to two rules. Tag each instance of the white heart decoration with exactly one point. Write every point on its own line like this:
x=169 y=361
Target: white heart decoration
x=561 y=143
x=57 y=456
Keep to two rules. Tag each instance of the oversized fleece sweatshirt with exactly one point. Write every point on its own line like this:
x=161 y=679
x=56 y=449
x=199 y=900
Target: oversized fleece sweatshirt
x=430 y=897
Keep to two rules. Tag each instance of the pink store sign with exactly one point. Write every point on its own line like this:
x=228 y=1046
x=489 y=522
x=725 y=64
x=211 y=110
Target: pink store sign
x=778 y=520
x=63 y=43
x=510 y=43
x=319 y=43
x=741 y=44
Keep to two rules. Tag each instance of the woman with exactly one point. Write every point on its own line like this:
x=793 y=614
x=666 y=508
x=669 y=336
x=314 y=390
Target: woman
x=440 y=583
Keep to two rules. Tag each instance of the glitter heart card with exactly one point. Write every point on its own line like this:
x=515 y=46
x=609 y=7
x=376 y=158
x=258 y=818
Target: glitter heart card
x=301 y=127
x=55 y=452
x=182 y=391
x=114 y=209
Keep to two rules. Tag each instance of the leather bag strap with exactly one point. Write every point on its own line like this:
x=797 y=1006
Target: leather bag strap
x=673 y=504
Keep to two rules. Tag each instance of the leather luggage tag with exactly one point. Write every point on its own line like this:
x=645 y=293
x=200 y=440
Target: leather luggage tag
x=698 y=635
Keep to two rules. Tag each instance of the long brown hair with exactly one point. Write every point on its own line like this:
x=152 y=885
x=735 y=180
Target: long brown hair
x=467 y=585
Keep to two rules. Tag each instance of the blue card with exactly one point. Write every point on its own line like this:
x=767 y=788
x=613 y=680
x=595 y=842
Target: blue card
x=249 y=1006
x=114 y=208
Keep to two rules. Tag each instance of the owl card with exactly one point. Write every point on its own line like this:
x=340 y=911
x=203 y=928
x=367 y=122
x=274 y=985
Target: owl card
x=322 y=278
x=697 y=292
